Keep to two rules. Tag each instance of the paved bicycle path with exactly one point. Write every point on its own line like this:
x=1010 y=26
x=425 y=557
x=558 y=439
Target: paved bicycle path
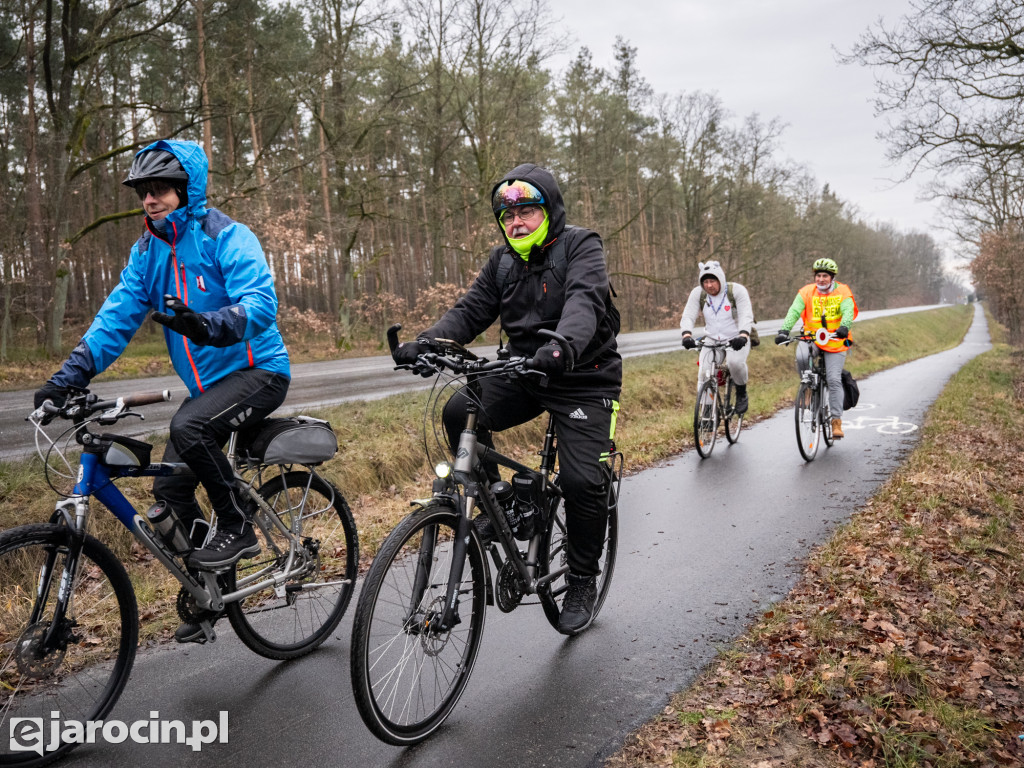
x=704 y=546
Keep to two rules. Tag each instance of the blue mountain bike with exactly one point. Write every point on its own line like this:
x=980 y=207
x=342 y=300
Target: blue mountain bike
x=69 y=620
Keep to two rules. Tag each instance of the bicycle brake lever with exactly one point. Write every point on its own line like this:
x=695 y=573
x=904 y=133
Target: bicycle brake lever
x=115 y=415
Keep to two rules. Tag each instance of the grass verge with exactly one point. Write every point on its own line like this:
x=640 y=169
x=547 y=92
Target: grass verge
x=901 y=645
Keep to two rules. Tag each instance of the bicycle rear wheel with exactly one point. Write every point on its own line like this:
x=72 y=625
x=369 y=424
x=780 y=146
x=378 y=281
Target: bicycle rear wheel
x=826 y=417
x=807 y=421
x=407 y=674
x=556 y=549
x=77 y=671
x=733 y=420
x=705 y=418
x=290 y=619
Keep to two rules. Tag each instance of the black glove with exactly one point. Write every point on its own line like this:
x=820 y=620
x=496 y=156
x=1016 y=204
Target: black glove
x=688 y=342
x=549 y=360
x=738 y=342
x=183 y=321
x=52 y=392
x=407 y=352
x=782 y=337
x=842 y=331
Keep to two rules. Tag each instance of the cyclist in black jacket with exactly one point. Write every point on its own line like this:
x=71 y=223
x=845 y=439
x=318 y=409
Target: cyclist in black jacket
x=562 y=287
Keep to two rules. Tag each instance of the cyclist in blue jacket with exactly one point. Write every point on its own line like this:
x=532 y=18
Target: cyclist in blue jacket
x=207 y=279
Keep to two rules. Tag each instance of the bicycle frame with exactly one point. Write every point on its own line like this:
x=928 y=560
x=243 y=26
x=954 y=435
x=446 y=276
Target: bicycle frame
x=716 y=366
x=468 y=473
x=96 y=480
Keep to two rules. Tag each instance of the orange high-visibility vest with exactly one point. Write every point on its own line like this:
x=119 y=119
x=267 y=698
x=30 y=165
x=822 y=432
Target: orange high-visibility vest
x=816 y=304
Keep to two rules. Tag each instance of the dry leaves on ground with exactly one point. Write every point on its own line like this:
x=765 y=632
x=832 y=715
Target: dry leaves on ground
x=902 y=645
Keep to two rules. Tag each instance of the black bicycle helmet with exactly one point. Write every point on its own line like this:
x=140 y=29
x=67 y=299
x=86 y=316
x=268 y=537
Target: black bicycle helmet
x=156 y=164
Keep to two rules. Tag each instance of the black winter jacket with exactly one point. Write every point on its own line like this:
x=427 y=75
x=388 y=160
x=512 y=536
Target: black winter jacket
x=532 y=297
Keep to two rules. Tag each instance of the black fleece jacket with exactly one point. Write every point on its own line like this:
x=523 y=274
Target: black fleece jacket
x=532 y=297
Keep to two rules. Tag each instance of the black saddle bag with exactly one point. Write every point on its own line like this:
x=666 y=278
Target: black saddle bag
x=290 y=440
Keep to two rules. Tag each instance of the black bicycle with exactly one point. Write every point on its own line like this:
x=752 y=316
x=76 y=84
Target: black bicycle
x=716 y=401
x=811 y=410
x=69 y=620
x=420 y=616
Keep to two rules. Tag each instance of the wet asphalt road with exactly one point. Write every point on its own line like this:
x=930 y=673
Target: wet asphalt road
x=705 y=545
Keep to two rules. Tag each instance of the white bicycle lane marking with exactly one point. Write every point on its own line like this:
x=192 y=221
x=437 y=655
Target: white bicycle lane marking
x=885 y=425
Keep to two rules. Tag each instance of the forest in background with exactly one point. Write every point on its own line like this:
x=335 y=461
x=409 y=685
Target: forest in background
x=360 y=141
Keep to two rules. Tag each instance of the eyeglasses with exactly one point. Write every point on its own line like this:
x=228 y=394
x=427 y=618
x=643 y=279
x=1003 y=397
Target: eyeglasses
x=523 y=212
x=156 y=187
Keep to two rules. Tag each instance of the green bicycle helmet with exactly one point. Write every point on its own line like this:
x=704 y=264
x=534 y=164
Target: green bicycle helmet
x=826 y=265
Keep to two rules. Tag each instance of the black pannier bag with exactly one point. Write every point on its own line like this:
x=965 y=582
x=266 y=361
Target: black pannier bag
x=291 y=440
x=851 y=392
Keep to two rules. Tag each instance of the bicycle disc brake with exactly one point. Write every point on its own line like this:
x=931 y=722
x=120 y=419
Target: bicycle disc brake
x=509 y=593
x=36 y=660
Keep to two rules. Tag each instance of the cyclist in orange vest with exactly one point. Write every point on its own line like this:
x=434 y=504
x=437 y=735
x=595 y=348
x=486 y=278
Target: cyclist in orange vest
x=829 y=300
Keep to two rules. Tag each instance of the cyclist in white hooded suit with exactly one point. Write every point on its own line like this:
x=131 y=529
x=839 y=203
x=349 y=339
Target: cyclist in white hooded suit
x=722 y=322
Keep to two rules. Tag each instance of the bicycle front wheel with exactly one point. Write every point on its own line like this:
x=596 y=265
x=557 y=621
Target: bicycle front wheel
x=556 y=557
x=290 y=619
x=408 y=673
x=733 y=420
x=807 y=418
x=705 y=418
x=77 y=666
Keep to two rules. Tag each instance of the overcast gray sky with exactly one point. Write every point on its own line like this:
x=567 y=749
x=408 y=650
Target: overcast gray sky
x=776 y=58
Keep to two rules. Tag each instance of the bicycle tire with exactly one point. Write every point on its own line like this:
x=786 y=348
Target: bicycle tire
x=407 y=678
x=556 y=556
x=805 y=409
x=289 y=620
x=733 y=420
x=85 y=672
x=705 y=418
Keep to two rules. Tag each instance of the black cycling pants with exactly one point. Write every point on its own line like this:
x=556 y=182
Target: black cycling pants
x=199 y=431
x=582 y=429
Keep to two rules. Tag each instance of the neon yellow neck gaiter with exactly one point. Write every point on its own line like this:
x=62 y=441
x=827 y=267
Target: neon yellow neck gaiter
x=524 y=245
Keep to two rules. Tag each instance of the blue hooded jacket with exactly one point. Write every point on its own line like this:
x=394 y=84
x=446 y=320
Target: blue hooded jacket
x=208 y=261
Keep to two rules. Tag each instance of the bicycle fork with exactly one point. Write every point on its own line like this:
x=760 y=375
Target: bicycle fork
x=59 y=630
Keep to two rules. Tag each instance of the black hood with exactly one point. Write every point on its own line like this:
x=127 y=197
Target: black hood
x=542 y=179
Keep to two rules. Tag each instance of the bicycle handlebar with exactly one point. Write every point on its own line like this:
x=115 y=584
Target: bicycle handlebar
x=81 y=404
x=706 y=343
x=813 y=337
x=456 y=358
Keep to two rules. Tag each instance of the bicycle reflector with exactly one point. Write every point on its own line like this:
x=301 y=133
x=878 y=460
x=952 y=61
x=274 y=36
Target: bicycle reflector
x=821 y=336
x=443 y=469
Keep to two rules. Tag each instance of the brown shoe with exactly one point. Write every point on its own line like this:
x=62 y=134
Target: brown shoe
x=837 y=429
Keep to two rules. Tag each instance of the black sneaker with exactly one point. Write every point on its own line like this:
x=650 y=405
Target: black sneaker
x=190 y=632
x=225 y=548
x=578 y=606
x=484 y=529
x=741 y=404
